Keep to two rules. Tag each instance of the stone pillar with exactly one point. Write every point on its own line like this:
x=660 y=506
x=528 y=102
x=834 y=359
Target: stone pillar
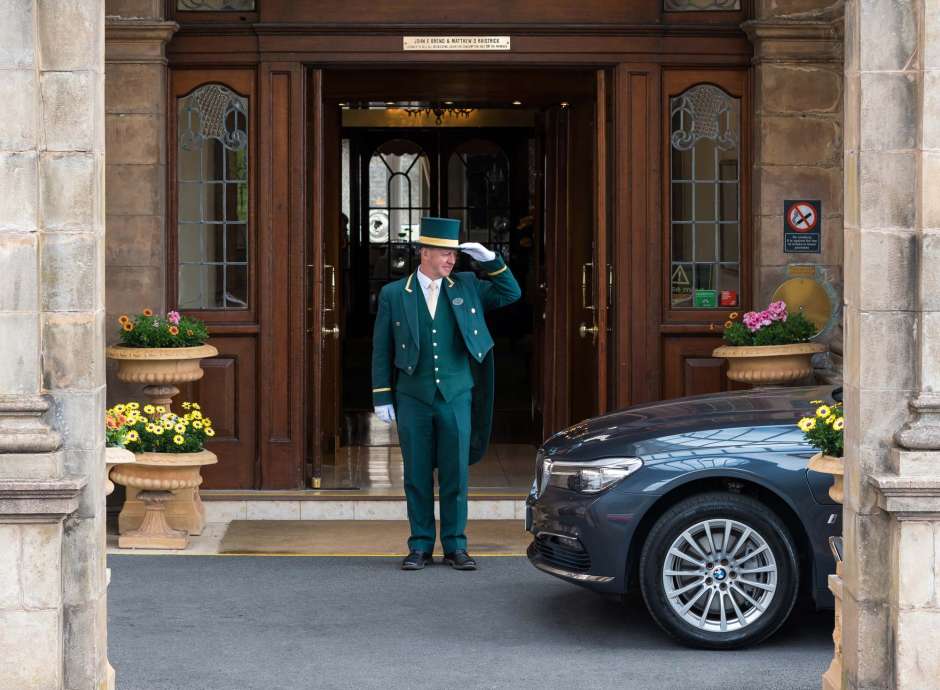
x=891 y=604
x=52 y=597
x=135 y=126
x=797 y=134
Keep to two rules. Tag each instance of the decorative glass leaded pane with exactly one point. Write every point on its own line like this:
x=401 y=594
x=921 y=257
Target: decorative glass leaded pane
x=478 y=192
x=701 y=5
x=212 y=199
x=215 y=5
x=705 y=199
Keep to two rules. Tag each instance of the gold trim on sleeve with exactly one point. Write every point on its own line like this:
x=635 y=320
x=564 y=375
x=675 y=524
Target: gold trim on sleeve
x=496 y=273
x=381 y=390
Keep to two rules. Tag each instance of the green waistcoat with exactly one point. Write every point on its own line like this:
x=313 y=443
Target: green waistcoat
x=443 y=362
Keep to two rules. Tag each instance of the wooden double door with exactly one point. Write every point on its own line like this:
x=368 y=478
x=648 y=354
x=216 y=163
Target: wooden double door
x=617 y=206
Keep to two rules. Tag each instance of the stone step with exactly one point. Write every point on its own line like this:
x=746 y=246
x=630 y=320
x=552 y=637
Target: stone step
x=224 y=509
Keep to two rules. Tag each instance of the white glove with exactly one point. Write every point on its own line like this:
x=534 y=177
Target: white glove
x=386 y=413
x=478 y=251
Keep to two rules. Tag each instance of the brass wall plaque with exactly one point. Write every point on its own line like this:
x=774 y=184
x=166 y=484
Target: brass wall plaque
x=810 y=297
x=456 y=43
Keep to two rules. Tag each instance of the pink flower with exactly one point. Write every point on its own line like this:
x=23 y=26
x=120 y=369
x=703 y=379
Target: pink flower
x=173 y=317
x=752 y=320
x=777 y=310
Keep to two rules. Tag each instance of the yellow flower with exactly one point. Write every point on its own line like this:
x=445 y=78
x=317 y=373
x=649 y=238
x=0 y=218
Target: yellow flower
x=210 y=432
x=167 y=424
x=197 y=424
x=196 y=406
x=807 y=424
x=196 y=414
x=823 y=411
x=133 y=405
x=839 y=424
x=149 y=409
x=160 y=409
x=830 y=419
x=178 y=440
x=128 y=326
x=728 y=324
x=815 y=402
x=733 y=315
x=206 y=422
x=180 y=428
x=147 y=312
x=120 y=407
x=186 y=406
x=151 y=427
x=158 y=430
x=188 y=416
x=132 y=436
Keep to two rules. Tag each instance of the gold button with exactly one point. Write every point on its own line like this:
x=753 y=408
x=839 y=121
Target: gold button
x=473 y=310
x=402 y=346
x=474 y=331
x=479 y=354
x=437 y=380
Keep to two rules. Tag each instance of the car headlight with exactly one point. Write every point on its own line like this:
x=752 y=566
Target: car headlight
x=588 y=477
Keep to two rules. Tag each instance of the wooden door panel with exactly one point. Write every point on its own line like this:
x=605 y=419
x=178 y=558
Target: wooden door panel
x=689 y=367
x=226 y=393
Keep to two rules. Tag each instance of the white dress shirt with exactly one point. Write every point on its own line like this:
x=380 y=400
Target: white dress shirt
x=426 y=284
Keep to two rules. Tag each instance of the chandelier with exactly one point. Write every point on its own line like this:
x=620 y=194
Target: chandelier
x=440 y=111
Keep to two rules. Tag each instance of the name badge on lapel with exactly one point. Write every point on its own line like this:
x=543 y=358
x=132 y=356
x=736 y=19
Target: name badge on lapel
x=457 y=301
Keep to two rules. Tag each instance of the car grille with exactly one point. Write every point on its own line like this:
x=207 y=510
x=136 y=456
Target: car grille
x=567 y=556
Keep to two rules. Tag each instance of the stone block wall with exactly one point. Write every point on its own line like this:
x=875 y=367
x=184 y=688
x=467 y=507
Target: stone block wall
x=135 y=127
x=798 y=96
x=52 y=534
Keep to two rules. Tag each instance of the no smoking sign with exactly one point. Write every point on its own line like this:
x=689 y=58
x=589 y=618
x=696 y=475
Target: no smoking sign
x=802 y=228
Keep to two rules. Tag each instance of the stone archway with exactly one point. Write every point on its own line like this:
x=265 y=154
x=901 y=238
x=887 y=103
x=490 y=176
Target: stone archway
x=52 y=305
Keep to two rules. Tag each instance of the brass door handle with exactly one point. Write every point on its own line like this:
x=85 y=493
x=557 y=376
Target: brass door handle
x=584 y=330
x=334 y=331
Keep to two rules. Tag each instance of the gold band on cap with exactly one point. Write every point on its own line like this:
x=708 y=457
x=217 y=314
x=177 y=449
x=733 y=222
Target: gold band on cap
x=438 y=242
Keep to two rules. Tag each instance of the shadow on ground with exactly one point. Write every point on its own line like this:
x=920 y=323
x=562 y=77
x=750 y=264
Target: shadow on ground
x=203 y=623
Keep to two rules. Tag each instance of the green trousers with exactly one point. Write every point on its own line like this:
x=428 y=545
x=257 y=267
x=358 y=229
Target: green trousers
x=435 y=435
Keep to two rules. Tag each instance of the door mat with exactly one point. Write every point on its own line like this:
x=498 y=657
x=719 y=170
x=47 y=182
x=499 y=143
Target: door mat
x=361 y=537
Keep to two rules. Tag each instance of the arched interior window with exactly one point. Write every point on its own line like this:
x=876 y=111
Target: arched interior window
x=478 y=191
x=705 y=199
x=212 y=199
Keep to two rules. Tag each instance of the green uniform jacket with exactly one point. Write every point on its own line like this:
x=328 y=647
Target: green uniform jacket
x=396 y=325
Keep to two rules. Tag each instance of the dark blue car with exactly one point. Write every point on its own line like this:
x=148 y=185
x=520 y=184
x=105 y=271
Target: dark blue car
x=704 y=503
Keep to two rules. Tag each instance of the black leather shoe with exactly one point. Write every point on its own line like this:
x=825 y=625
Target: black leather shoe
x=416 y=560
x=460 y=560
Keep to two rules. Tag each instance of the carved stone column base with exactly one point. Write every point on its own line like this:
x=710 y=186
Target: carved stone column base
x=154 y=532
x=22 y=429
x=923 y=431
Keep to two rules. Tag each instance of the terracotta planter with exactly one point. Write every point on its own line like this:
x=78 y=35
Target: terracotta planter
x=160 y=368
x=163 y=504
x=769 y=364
x=834 y=466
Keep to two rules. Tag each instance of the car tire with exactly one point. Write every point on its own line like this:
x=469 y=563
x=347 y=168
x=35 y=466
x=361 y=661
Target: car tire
x=708 y=590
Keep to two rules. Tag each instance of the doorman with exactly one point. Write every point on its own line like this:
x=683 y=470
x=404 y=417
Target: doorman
x=432 y=369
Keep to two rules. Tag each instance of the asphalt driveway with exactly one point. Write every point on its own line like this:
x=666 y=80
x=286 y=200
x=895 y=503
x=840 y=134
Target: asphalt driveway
x=216 y=622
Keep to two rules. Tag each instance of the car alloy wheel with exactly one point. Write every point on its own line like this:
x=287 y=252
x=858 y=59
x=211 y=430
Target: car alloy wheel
x=719 y=575
x=719 y=571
